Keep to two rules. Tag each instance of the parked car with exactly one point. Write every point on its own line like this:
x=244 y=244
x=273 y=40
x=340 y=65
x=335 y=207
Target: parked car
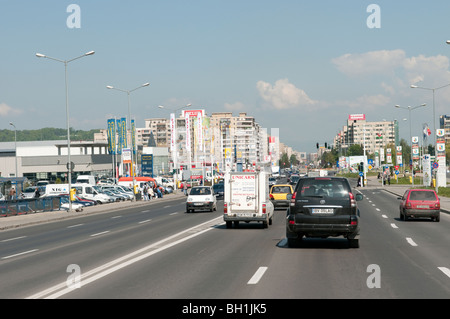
x=418 y=203
x=323 y=207
x=30 y=192
x=219 y=190
x=279 y=195
x=201 y=198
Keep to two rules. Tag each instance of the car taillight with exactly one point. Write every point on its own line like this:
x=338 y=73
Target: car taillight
x=225 y=208
x=352 y=200
x=264 y=208
x=270 y=196
x=408 y=204
x=437 y=205
x=293 y=197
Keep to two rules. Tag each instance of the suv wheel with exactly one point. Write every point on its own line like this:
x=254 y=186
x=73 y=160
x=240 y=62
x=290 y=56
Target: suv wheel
x=353 y=243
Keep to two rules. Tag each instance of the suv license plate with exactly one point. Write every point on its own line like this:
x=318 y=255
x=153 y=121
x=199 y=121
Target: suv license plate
x=322 y=210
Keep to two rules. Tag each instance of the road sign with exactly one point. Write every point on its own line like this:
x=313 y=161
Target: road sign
x=397 y=172
x=435 y=165
x=361 y=174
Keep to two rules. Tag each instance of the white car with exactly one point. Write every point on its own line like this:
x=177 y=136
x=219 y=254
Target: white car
x=201 y=198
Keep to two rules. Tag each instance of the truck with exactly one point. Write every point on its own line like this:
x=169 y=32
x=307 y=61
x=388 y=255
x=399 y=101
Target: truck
x=246 y=198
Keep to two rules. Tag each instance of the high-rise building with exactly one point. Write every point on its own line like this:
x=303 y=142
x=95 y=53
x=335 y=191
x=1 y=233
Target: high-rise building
x=372 y=135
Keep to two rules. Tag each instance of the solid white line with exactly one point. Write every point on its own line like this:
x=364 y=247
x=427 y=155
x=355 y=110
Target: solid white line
x=257 y=276
x=394 y=226
x=144 y=221
x=98 y=234
x=445 y=270
x=23 y=253
x=11 y=239
x=411 y=242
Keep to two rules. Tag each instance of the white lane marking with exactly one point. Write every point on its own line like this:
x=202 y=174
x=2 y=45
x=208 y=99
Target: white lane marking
x=77 y=225
x=445 y=270
x=146 y=211
x=373 y=205
x=144 y=221
x=257 y=276
x=384 y=216
x=118 y=216
x=11 y=239
x=394 y=226
x=378 y=210
x=98 y=234
x=124 y=261
x=167 y=206
x=411 y=242
x=174 y=213
x=19 y=254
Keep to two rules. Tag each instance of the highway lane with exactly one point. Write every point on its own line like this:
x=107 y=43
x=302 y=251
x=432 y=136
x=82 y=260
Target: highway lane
x=396 y=259
x=38 y=256
x=221 y=264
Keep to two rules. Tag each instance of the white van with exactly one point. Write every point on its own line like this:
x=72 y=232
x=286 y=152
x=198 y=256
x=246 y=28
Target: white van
x=86 y=179
x=246 y=198
x=83 y=190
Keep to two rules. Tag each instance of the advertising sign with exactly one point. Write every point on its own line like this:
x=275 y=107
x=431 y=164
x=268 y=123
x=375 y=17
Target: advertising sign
x=147 y=164
x=441 y=178
x=426 y=162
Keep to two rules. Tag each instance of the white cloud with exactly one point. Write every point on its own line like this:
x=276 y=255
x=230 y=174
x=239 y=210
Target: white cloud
x=6 y=110
x=283 y=95
x=369 y=63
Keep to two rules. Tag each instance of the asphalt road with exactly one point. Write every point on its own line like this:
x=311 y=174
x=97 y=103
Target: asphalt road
x=159 y=251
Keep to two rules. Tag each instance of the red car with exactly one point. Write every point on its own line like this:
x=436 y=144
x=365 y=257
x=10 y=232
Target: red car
x=420 y=203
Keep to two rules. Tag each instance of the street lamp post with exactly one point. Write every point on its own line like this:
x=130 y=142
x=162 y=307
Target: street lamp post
x=66 y=62
x=409 y=108
x=133 y=168
x=15 y=144
x=434 y=107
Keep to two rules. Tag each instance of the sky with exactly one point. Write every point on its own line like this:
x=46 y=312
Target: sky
x=298 y=65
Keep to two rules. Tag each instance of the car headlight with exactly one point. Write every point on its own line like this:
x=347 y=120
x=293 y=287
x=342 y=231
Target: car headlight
x=189 y=199
x=207 y=199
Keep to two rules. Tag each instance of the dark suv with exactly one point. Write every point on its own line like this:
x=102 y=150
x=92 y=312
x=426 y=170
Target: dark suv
x=323 y=207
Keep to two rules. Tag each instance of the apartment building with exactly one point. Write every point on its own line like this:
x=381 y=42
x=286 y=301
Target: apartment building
x=374 y=135
x=444 y=121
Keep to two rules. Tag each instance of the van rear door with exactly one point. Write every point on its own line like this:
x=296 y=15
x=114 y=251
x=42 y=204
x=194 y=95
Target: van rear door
x=244 y=190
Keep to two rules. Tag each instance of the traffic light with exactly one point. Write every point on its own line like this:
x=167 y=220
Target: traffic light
x=317 y=145
x=361 y=167
x=326 y=145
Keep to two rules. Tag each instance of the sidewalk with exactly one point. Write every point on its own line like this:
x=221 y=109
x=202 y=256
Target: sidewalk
x=400 y=189
x=16 y=221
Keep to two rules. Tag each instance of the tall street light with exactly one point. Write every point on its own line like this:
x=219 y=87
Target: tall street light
x=174 y=151
x=15 y=144
x=434 y=107
x=410 y=108
x=69 y=164
x=133 y=168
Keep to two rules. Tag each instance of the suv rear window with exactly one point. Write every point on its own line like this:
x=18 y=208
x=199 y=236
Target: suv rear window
x=331 y=188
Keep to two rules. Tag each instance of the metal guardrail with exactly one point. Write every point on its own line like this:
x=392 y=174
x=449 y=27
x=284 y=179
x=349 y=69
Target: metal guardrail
x=29 y=206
